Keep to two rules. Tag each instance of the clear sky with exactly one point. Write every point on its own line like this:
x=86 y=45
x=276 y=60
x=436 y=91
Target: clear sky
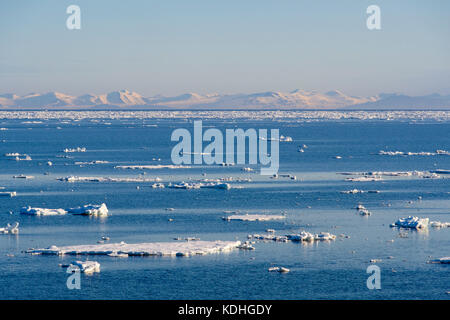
x=175 y=46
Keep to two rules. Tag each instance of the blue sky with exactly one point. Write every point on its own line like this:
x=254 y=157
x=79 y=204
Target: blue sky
x=171 y=47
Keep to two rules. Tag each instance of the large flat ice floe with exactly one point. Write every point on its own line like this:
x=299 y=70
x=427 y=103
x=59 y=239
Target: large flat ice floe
x=420 y=153
x=188 y=248
x=253 y=217
x=377 y=175
x=210 y=185
x=107 y=179
x=152 y=166
x=303 y=236
x=87 y=210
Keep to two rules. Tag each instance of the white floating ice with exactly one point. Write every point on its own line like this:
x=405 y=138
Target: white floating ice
x=279 y=269
x=444 y=260
x=188 y=248
x=309 y=237
x=254 y=217
x=211 y=185
x=156 y=166
x=10 y=229
x=77 y=149
x=22 y=176
x=85 y=266
x=107 y=179
x=411 y=222
x=8 y=194
x=438 y=224
x=90 y=209
x=42 y=211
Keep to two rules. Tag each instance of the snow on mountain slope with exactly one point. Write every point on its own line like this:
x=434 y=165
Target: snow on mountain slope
x=50 y=99
x=297 y=99
x=125 y=97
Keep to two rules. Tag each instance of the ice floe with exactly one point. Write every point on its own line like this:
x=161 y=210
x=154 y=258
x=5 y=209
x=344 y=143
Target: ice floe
x=72 y=150
x=22 y=176
x=85 y=266
x=91 y=162
x=90 y=210
x=281 y=139
x=9 y=194
x=268 y=237
x=438 y=224
x=355 y=191
x=107 y=179
x=364 y=179
x=24 y=158
x=278 y=269
x=10 y=229
x=363 y=210
x=377 y=175
x=212 y=185
x=421 y=153
x=18 y=157
x=411 y=222
x=309 y=237
x=246 y=246
x=188 y=248
x=154 y=166
x=254 y=217
x=303 y=236
x=42 y=211
x=444 y=260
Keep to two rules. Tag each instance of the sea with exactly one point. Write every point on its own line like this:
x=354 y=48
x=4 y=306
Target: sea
x=326 y=149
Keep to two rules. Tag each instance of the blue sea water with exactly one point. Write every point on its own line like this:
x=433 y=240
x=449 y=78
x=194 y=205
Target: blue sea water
x=313 y=202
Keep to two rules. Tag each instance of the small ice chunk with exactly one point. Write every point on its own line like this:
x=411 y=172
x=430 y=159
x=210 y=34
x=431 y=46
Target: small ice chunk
x=10 y=229
x=279 y=269
x=246 y=246
x=85 y=266
x=22 y=176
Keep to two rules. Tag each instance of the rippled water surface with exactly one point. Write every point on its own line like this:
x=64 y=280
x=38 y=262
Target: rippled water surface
x=313 y=202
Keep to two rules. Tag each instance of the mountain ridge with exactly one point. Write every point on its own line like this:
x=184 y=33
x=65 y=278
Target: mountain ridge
x=295 y=99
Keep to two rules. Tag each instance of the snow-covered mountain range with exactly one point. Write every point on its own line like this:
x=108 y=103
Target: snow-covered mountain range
x=297 y=99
